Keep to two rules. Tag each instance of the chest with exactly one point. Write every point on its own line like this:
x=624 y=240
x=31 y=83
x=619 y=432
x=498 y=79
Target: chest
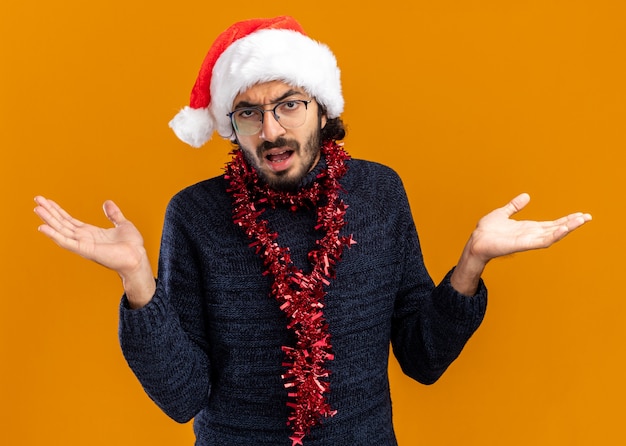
x=237 y=292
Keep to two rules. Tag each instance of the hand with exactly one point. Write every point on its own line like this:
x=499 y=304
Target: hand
x=119 y=248
x=498 y=235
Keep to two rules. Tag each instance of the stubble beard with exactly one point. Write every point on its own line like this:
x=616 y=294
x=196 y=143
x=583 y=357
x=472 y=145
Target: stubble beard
x=291 y=179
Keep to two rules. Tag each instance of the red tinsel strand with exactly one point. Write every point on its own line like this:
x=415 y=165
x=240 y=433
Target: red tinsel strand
x=301 y=296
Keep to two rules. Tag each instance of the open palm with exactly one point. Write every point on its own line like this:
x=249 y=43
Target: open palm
x=119 y=248
x=497 y=234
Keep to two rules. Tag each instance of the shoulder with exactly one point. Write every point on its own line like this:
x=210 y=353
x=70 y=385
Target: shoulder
x=201 y=192
x=372 y=178
x=206 y=198
x=361 y=167
x=374 y=192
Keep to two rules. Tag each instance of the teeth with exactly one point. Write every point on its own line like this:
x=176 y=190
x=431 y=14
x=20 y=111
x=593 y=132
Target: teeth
x=278 y=157
x=278 y=153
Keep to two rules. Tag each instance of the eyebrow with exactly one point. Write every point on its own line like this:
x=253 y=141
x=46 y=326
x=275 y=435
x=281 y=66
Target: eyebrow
x=242 y=104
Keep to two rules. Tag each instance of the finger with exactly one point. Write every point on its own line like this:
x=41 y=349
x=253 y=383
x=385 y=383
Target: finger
x=574 y=221
x=59 y=225
x=565 y=225
x=55 y=212
x=56 y=229
x=516 y=204
x=58 y=237
x=63 y=214
x=113 y=213
x=48 y=215
x=571 y=221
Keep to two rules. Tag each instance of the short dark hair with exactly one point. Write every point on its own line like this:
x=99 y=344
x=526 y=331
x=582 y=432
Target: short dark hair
x=333 y=130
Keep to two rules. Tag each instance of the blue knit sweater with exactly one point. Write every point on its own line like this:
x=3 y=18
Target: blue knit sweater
x=208 y=346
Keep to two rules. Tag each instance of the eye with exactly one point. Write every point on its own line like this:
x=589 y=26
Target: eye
x=289 y=106
x=248 y=113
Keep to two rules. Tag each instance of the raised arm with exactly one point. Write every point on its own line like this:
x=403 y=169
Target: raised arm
x=119 y=248
x=498 y=235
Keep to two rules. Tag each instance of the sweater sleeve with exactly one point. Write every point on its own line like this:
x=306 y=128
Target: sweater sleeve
x=165 y=342
x=431 y=325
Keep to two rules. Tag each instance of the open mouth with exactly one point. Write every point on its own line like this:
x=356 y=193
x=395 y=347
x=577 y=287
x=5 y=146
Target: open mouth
x=279 y=159
x=279 y=156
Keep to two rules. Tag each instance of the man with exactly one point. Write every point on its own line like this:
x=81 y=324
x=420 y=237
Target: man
x=282 y=283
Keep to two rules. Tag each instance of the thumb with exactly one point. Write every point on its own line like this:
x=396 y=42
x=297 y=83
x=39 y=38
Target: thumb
x=517 y=204
x=113 y=212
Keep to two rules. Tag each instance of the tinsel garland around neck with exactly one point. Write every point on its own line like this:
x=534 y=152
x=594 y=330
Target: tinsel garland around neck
x=301 y=296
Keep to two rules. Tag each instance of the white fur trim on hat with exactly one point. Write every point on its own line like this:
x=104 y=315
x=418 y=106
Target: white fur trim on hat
x=274 y=54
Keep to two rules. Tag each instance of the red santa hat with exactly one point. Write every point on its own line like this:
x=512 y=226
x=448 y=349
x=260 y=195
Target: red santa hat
x=252 y=52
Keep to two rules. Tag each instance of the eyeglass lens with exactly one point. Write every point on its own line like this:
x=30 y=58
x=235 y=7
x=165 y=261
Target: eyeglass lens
x=289 y=114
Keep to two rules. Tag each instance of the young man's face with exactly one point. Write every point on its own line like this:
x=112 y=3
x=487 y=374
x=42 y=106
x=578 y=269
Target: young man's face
x=282 y=156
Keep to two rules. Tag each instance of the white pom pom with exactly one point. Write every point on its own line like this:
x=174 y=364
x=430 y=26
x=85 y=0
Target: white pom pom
x=193 y=125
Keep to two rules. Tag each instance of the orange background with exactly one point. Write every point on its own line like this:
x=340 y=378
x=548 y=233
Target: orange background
x=472 y=102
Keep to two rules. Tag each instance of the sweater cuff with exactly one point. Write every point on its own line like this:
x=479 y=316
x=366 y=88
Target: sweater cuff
x=460 y=307
x=144 y=320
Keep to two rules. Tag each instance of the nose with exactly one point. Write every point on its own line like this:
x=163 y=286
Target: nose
x=270 y=127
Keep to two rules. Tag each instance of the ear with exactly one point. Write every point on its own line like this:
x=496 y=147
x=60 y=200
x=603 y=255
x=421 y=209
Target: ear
x=323 y=121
